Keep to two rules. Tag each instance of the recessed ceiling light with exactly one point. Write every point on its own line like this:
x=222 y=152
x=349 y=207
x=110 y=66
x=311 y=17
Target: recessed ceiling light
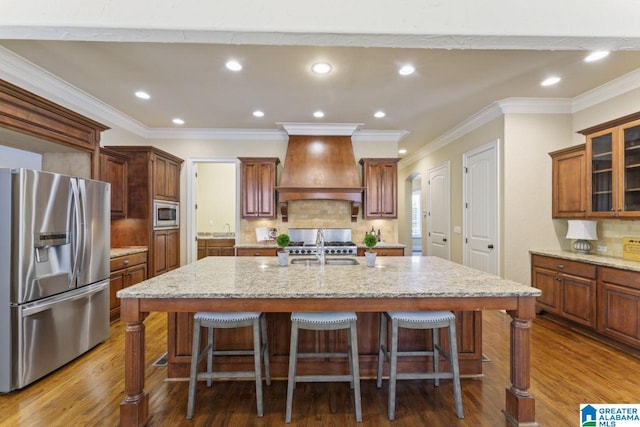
x=405 y=70
x=233 y=65
x=142 y=94
x=318 y=114
x=550 y=81
x=178 y=121
x=379 y=114
x=402 y=151
x=597 y=55
x=258 y=113
x=321 y=67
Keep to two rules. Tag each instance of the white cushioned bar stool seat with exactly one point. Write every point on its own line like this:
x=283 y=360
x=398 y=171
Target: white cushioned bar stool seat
x=325 y=322
x=226 y=320
x=433 y=320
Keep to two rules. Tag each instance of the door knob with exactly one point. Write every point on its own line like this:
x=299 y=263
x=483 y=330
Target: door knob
x=490 y=246
x=444 y=239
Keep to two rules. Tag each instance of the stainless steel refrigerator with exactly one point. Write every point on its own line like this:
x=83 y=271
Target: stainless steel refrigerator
x=54 y=272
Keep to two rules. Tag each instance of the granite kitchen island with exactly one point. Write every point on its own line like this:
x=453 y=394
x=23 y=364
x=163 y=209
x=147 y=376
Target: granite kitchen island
x=259 y=284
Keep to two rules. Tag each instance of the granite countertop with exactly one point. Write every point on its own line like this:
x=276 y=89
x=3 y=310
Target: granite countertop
x=257 y=245
x=262 y=277
x=128 y=250
x=272 y=245
x=216 y=235
x=383 y=245
x=591 y=259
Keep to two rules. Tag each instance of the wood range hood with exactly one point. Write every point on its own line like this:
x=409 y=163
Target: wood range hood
x=319 y=167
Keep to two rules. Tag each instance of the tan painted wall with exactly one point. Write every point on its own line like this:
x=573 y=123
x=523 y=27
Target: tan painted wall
x=526 y=220
x=216 y=197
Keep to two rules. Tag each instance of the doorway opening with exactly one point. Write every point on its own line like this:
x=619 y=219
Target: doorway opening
x=212 y=195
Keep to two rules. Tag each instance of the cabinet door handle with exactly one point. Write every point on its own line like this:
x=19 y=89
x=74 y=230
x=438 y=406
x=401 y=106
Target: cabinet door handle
x=561 y=266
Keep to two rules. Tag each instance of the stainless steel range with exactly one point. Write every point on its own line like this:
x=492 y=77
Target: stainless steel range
x=337 y=241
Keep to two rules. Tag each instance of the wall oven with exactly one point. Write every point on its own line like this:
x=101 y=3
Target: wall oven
x=166 y=214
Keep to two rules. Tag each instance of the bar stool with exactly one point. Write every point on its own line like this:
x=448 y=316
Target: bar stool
x=324 y=322
x=433 y=320
x=226 y=320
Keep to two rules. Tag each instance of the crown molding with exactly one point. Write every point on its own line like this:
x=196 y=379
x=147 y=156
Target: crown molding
x=535 y=105
x=332 y=129
x=609 y=90
x=393 y=136
x=27 y=75
x=487 y=114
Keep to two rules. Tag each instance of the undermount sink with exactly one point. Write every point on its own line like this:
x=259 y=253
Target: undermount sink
x=328 y=261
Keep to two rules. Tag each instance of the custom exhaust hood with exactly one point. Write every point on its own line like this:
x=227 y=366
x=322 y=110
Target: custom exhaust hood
x=319 y=165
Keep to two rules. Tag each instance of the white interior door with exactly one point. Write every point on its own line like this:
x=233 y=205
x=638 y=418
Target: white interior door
x=481 y=208
x=439 y=211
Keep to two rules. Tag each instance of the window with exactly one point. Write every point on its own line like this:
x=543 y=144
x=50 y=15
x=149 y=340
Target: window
x=416 y=223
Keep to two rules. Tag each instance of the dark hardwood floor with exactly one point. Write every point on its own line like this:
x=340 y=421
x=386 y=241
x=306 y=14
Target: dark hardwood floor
x=568 y=368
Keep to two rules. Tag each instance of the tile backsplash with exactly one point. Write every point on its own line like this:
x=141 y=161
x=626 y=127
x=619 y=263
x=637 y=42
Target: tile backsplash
x=321 y=213
x=610 y=235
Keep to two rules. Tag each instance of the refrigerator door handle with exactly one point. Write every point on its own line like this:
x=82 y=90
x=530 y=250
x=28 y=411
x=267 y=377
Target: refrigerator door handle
x=78 y=233
x=37 y=307
x=82 y=208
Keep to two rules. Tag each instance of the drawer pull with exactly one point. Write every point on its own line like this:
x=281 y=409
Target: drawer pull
x=561 y=266
x=126 y=262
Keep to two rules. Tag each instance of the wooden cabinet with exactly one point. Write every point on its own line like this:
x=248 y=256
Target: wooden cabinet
x=151 y=174
x=126 y=271
x=568 y=288
x=604 y=299
x=384 y=251
x=613 y=168
x=258 y=187
x=619 y=305
x=113 y=169
x=29 y=114
x=215 y=247
x=166 y=253
x=569 y=185
x=380 y=180
x=257 y=252
x=166 y=178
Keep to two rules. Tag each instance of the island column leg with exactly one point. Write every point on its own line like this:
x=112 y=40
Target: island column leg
x=520 y=405
x=134 y=408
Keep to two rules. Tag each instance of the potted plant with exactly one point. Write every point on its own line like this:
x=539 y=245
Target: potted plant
x=282 y=241
x=370 y=241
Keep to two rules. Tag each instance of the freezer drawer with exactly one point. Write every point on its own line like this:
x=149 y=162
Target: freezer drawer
x=54 y=331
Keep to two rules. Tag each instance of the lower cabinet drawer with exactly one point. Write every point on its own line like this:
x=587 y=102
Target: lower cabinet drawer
x=575 y=268
x=256 y=252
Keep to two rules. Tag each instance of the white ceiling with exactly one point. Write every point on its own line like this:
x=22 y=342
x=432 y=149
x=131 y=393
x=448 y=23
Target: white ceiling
x=190 y=81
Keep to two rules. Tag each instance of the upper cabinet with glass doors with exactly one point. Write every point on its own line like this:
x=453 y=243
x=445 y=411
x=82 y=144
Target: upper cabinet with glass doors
x=613 y=168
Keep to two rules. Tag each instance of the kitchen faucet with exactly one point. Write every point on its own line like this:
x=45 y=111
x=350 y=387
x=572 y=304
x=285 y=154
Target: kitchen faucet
x=320 y=246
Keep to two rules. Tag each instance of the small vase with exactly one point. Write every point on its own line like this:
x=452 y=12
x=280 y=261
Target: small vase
x=283 y=258
x=370 y=257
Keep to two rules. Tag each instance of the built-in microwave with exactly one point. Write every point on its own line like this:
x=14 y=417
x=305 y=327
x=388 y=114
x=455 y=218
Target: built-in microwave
x=166 y=214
